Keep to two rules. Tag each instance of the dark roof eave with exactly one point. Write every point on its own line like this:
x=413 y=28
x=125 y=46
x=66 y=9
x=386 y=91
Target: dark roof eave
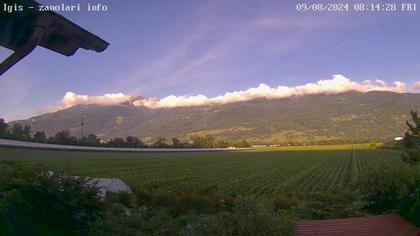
x=60 y=35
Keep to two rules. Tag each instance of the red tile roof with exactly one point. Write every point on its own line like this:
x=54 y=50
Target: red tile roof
x=382 y=225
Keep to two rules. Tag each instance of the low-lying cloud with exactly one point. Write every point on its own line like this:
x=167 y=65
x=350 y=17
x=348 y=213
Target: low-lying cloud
x=336 y=84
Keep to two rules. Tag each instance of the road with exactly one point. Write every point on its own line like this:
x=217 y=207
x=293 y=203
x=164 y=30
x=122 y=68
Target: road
x=13 y=143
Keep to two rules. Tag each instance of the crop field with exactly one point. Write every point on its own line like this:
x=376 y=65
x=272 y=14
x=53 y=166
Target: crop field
x=254 y=171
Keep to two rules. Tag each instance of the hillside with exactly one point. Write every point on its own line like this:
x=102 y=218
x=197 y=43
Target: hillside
x=379 y=116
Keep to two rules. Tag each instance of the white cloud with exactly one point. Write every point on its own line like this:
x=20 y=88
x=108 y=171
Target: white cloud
x=71 y=99
x=417 y=84
x=336 y=84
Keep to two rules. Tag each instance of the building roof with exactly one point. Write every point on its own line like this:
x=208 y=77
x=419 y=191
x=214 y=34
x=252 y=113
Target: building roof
x=382 y=225
x=110 y=185
x=23 y=30
x=60 y=35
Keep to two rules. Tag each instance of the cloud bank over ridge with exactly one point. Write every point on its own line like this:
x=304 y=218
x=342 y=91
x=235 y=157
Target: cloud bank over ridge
x=336 y=84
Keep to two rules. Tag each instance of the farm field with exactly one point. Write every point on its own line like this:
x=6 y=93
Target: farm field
x=259 y=171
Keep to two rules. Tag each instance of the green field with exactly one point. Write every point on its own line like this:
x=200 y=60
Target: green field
x=254 y=171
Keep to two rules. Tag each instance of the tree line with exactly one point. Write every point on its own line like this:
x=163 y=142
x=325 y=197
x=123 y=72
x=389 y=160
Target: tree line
x=24 y=133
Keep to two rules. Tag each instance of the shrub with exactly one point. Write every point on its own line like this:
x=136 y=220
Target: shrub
x=168 y=200
x=395 y=190
x=143 y=198
x=222 y=201
x=194 y=201
x=121 y=198
x=283 y=201
x=190 y=213
x=251 y=216
x=330 y=204
x=38 y=202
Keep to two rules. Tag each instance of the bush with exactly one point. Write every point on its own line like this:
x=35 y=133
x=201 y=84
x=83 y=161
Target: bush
x=397 y=190
x=190 y=213
x=121 y=198
x=143 y=198
x=194 y=201
x=221 y=202
x=166 y=199
x=283 y=201
x=331 y=204
x=250 y=216
x=38 y=202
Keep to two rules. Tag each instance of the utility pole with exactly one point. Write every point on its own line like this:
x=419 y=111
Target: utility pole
x=357 y=135
x=83 y=123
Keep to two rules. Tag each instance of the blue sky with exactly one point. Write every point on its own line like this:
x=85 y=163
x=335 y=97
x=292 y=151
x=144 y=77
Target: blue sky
x=185 y=48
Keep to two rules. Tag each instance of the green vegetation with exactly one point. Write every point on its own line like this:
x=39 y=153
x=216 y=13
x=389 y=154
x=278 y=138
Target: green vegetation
x=35 y=201
x=396 y=190
x=168 y=213
x=38 y=202
x=411 y=141
x=260 y=191
x=237 y=172
x=23 y=133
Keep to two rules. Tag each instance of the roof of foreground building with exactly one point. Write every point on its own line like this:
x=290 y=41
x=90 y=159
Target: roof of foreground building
x=382 y=225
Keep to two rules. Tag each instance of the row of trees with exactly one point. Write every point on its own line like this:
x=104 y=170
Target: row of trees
x=16 y=132
x=23 y=133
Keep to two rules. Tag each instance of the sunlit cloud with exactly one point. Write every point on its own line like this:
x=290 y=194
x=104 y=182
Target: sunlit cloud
x=71 y=99
x=336 y=84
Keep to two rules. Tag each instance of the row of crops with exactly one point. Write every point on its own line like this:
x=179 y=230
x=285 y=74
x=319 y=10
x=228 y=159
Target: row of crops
x=234 y=172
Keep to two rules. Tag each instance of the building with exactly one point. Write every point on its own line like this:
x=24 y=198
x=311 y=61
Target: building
x=109 y=185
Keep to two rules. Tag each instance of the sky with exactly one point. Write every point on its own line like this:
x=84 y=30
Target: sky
x=196 y=52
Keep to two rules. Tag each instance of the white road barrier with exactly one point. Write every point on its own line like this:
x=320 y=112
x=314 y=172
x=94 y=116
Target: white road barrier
x=13 y=143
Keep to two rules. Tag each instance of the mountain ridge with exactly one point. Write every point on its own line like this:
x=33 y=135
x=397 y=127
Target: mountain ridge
x=376 y=115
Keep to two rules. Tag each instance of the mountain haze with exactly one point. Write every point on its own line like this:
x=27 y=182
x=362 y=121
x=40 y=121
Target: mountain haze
x=376 y=116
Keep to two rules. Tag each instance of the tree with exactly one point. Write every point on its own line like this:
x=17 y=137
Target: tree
x=241 y=144
x=17 y=131
x=90 y=140
x=176 y=143
x=3 y=129
x=133 y=142
x=203 y=141
x=160 y=143
x=411 y=141
x=64 y=137
x=222 y=143
x=26 y=134
x=40 y=137
x=116 y=142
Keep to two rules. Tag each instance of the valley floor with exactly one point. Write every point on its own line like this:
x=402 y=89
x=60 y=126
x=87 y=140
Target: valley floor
x=258 y=171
